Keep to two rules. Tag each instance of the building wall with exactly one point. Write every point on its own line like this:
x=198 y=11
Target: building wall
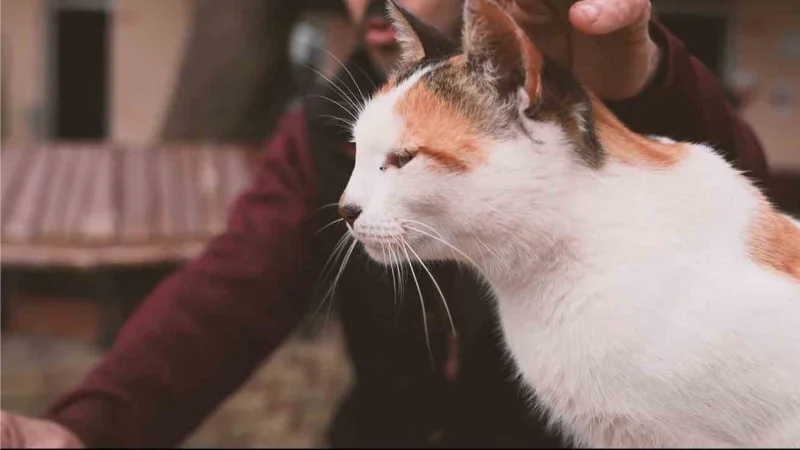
x=764 y=27
x=22 y=23
x=148 y=41
x=755 y=33
x=149 y=36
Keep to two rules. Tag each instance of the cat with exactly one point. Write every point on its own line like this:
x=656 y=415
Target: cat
x=648 y=293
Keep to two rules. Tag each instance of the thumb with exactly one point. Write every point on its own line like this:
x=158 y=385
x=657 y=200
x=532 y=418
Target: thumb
x=607 y=16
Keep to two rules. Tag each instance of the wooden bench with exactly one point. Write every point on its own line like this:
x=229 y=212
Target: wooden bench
x=113 y=210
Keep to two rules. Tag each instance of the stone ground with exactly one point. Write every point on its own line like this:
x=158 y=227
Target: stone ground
x=287 y=403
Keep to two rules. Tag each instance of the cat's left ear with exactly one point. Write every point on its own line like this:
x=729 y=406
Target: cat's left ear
x=418 y=40
x=492 y=40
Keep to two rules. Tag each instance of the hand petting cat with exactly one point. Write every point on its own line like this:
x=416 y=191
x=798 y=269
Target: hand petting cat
x=606 y=43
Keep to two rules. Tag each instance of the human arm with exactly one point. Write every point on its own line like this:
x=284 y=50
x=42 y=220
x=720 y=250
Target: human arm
x=208 y=326
x=644 y=73
x=685 y=101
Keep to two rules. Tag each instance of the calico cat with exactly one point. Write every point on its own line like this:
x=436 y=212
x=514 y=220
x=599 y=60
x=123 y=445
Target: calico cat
x=648 y=293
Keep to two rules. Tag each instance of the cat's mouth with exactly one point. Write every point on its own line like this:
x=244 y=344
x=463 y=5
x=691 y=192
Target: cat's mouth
x=394 y=242
x=390 y=248
x=389 y=251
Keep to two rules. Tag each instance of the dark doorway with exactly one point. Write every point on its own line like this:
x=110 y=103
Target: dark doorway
x=704 y=36
x=81 y=74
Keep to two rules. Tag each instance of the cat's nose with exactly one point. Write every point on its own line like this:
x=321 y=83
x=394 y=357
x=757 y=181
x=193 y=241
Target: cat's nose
x=350 y=212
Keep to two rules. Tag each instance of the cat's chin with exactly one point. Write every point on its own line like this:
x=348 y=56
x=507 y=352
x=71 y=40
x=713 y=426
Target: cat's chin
x=400 y=258
x=376 y=252
x=394 y=252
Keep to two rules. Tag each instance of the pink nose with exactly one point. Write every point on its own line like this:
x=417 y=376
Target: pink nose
x=350 y=212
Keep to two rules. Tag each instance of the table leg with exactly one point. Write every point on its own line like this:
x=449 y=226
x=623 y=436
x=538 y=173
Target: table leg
x=105 y=292
x=5 y=299
x=119 y=292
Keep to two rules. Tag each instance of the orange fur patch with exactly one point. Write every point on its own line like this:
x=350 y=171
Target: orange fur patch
x=438 y=130
x=386 y=87
x=624 y=145
x=775 y=242
x=456 y=60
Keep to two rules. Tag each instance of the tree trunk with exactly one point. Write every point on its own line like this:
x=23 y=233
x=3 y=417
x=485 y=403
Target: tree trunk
x=235 y=77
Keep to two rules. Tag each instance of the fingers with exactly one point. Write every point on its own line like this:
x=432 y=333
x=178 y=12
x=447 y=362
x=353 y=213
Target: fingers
x=607 y=16
x=25 y=432
x=8 y=431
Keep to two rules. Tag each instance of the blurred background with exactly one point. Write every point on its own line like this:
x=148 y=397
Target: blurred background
x=112 y=175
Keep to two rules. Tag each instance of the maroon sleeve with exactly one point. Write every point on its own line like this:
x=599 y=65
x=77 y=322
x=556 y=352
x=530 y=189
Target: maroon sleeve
x=205 y=328
x=686 y=102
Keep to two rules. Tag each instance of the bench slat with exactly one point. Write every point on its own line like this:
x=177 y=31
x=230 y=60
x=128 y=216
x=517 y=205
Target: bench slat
x=192 y=196
x=20 y=225
x=169 y=207
x=14 y=170
x=76 y=202
x=137 y=194
x=59 y=186
x=98 y=221
x=209 y=182
x=235 y=175
x=84 y=205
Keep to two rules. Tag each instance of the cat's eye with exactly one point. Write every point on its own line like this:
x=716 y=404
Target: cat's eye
x=397 y=159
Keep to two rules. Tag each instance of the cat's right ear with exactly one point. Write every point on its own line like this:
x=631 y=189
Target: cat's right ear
x=417 y=40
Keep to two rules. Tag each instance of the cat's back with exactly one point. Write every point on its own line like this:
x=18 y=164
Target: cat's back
x=711 y=361
x=723 y=347
x=695 y=312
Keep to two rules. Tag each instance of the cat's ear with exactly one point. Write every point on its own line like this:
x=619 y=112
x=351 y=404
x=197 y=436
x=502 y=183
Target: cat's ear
x=494 y=41
x=418 y=40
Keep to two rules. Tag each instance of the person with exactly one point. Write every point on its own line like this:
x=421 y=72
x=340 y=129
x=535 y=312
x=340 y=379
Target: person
x=205 y=329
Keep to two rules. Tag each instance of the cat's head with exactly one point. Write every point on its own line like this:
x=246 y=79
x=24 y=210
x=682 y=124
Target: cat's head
x=463 y=145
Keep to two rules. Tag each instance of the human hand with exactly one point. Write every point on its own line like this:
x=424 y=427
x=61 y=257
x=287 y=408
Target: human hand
x=606 y=43
x=24 y=432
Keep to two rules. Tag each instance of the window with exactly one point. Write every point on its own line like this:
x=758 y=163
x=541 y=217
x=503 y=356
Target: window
x=79 y=69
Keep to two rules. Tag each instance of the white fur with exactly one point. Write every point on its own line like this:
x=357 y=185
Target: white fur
x=626 y=295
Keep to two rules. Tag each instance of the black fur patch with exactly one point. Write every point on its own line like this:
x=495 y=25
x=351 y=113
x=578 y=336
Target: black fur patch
x=562 y=96
x=436 y=46
x=434 y=43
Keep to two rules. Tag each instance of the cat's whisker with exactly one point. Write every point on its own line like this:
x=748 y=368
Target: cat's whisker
x=337 y=249
x=350 y=98
x=331 y=223
x=387 y=267
x=351 y=113
x=441 y=240
x=421 y=302
x=480 y=242
x=335 y=255
x=328 y=205
x=383 y=257
x=391 y=266
x=330 y=294
x=401 y=279
x=353 y=106
x=424 y=225
x=350 y=74
x=494 y=209
x=509 y=220
x=436 y=284
x=349 y=123
x=342 y=65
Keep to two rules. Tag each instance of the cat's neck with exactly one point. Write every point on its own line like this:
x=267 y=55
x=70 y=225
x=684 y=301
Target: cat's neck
x=616 y=217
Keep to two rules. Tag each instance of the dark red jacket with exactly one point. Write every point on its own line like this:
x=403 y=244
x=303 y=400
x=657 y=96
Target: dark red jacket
x=209 y=325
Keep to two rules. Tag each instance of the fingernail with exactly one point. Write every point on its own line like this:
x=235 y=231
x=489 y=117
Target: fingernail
x=591 y=11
